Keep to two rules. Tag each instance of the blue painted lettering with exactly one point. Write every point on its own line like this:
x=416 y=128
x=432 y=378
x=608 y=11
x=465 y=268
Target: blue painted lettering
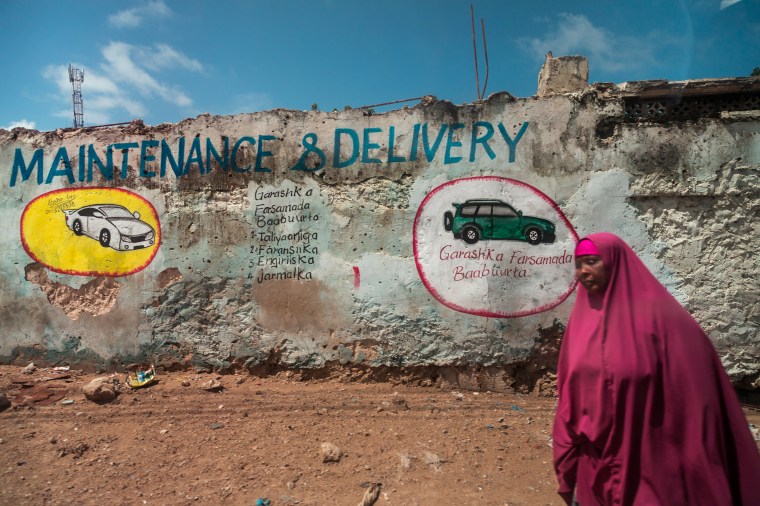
x=354 y=148
x=61 y=158
x=125 y=147
x=415 y=143
x=20 y=164
x=145 y=157
x=349 y=148
x=481 y=140
x=310 y=143
x=430 y=151
x=240 y=141
x=81 y=163
x=512 y=143
x=391 y=141
x=450 y=142
x=195 y=157
x=178 y=164
x=223 y=161
x=261 y=153
x=92 y=159
x=369 y=145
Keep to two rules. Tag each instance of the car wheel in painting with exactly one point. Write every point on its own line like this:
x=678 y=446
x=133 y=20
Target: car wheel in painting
x=470 y=234
x=105 y=238
x=533 y=236
x=77 y=227
x=448 y=221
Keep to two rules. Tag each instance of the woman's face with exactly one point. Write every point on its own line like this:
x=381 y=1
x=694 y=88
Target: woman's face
x=590 y=272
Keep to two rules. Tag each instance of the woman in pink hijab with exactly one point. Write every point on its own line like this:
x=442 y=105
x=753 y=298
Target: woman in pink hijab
x=646 y=413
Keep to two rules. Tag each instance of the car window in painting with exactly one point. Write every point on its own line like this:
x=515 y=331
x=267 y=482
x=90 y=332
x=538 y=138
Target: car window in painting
x=484 y=211
x=117 y=212
x=503 y=211
x=469 y=210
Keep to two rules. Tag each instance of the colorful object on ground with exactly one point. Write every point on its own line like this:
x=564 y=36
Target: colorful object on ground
x=141 y=378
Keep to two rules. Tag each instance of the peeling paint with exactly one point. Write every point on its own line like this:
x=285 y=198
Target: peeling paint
x=96 y=297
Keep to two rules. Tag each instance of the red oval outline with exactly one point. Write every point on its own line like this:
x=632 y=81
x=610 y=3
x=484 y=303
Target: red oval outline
x=489 y=314
x=91 y=273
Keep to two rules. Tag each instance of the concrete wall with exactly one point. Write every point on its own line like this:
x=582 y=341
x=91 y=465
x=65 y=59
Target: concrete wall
x=314 y=240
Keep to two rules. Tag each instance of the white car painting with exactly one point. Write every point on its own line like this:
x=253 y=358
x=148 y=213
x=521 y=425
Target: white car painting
x=111 y=225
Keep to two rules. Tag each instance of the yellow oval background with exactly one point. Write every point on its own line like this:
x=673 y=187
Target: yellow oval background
x=48 y=240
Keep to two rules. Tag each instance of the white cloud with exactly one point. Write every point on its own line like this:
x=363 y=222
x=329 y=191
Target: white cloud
x=577 y=35
x=125 y=19
x=132 y=18
x=58 y=75
x=102 y=97
x=123 y=86
x=724 y=4
x=124 y=69
x=166 y=57
x=23 y=123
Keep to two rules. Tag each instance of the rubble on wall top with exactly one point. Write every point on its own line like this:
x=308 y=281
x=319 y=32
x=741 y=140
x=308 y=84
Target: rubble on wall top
x=663 y=87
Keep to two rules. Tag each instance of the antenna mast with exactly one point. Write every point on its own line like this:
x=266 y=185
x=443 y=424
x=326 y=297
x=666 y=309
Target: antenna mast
x=76 y=76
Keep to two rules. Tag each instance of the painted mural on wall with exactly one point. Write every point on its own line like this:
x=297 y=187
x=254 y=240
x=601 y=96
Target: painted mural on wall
x=285 y=232
x=91 y=231
x=494 y=247
x=345 y=148
x=301 y=239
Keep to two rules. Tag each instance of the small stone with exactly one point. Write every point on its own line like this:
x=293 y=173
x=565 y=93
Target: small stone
x=400 y=401
x=67 y=402
x=216 y=425
x=212 y=385
x=331 y=453
x=163 y=431
x=29 y=369
x=100 y=390
x=432 y=460
x=185 y=383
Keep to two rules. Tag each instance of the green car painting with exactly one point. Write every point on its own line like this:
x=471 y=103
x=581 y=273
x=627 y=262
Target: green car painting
x=478 y=219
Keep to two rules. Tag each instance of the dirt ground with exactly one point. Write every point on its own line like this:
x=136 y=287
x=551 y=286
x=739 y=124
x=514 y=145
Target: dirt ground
x=176 y=443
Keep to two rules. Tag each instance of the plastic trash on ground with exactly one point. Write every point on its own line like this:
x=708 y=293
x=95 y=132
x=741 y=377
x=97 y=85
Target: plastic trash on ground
x=141 y=377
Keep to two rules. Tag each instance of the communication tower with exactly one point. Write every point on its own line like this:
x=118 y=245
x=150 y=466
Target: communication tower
x=76 y=76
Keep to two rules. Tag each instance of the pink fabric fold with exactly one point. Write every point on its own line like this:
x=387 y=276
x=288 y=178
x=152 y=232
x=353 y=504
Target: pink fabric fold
x=646 y=413
x=586 y=247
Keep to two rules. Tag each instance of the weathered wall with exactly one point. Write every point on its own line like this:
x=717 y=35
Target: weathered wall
x=274 y=249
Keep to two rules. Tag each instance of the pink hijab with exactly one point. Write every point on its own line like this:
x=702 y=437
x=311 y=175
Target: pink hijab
x=646 y=413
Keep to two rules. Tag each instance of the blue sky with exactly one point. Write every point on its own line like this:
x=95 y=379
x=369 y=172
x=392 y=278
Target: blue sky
x=167 y=60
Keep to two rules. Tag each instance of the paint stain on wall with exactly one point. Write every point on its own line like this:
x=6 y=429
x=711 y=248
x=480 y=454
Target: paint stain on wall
x=95 y=297
x=293 y=305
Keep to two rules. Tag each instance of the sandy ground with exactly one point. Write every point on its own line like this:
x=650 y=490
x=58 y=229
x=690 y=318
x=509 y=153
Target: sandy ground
x=176 y=443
